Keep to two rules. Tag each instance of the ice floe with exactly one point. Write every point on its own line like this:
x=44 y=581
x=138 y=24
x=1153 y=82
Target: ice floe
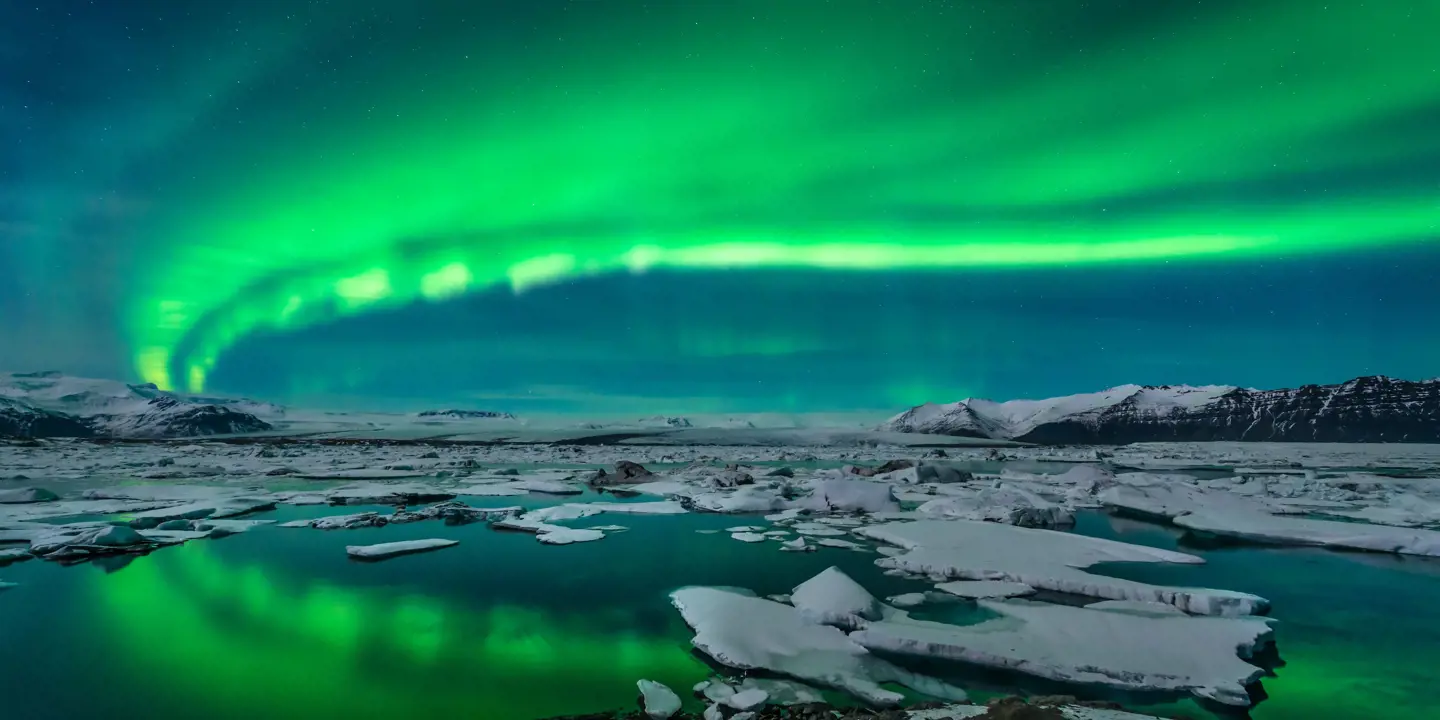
x=1258 y=527
x=1044 y=560
x=749 y=633
x=986 y=589
x=383 y=551
x=20 y=496
x=659 y=701
x=1126 y=650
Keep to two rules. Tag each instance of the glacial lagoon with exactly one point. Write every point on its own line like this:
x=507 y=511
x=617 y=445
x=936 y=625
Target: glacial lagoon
x=276 y=622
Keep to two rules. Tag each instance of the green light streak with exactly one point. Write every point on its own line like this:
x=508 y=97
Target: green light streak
x=775 y=140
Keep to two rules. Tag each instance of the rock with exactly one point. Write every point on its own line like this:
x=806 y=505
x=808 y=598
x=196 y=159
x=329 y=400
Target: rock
x=933 y=472
x=347 y=522
x=659 y=701
x=784 y=472
x=628 y=471
x=20 y=496
x=893 y=465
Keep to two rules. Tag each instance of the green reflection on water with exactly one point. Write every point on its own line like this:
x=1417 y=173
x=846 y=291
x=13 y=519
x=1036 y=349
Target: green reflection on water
x=255 y=642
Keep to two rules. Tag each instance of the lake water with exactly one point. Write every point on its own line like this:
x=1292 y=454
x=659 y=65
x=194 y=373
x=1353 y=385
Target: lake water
x=277 y=623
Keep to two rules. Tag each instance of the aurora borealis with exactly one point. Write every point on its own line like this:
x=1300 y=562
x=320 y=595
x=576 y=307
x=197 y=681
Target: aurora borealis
x=742 y=205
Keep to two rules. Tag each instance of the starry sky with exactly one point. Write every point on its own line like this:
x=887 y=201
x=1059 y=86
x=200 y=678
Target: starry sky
x=720 y=206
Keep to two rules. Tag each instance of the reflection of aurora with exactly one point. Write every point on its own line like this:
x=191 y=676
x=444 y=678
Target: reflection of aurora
x=220 y=633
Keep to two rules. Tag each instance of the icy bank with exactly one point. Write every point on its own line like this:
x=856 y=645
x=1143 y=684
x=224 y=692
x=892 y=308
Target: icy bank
x=1116 y=648
x=1044 y=560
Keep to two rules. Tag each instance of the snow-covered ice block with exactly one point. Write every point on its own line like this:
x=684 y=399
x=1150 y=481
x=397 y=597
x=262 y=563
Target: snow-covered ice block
x=833 y=598
x=850 y=496
x=395 y=549
x=1126 y=650
x=1044 y=560
x=748 y=633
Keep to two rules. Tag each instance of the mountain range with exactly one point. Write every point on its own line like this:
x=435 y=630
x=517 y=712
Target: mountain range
x=50 y=404
x=1366 y=409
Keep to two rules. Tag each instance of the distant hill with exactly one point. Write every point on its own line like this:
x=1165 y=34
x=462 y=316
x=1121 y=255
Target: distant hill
x=1366 y=409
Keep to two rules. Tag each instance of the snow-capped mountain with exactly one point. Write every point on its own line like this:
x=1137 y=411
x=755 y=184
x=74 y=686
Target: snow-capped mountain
x=54 y=405
x=1367 y=409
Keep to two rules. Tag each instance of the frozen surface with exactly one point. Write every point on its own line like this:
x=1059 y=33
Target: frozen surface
x=1044 y=560
x=987 y=589
x=749 y=633
x=395 y=549
x=1325 y=533
x=1126 y=650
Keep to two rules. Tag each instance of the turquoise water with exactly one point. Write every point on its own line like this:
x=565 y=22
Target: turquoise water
x=277 y=623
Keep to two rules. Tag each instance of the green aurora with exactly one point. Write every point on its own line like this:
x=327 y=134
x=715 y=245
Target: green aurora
x=771 y=135
x=203 y=196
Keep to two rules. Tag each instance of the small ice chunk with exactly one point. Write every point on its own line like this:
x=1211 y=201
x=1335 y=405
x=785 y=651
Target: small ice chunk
x=782 y=692
x=747 y=699
x=395 y=549
x=816 y=529
x=744 y=529
x=842 y=544
x=796 y=545
x=659 y=701
x=568 y=536
x=906 y=600
x=977 y=589
x=748 y=537
x=610 y=528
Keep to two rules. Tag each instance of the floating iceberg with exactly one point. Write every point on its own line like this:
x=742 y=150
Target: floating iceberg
x=395 y=549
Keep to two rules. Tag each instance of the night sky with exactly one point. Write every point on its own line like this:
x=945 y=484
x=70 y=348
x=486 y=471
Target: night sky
x=719 y=206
